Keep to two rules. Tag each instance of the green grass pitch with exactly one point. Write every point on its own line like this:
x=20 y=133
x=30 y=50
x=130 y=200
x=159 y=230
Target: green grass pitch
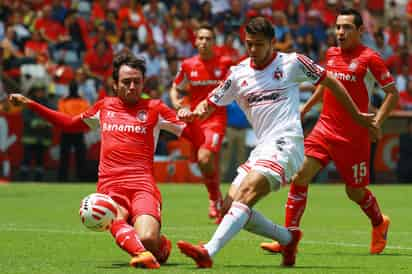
x=40 y=233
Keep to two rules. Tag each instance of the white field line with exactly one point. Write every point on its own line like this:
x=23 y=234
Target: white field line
x=89 y=233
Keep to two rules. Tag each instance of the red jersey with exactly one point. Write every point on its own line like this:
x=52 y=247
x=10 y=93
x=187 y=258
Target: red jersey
x=199 y=77
x=128 y=139
x=357 y=70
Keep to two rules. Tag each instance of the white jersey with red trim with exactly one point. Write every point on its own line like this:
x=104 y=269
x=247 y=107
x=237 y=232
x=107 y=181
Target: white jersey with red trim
x=128 y=139
x=269 y=96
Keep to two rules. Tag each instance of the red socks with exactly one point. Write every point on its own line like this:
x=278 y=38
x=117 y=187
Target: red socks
x=296 y=204
x=126 y=237
x=370 y=206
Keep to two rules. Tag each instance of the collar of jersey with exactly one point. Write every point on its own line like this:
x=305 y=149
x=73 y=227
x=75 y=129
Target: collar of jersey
x=262 y=67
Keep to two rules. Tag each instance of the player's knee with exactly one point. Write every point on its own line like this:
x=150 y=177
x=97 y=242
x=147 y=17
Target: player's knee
x=355 y=194
x=149 y=238
x=301 y=178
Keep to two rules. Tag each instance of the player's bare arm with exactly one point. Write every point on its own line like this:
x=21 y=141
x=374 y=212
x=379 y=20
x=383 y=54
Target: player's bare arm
x=203 y=110
x=389 y=103
x=18 y=99
x=175 y=97
x=313 y=100
x=339 y=91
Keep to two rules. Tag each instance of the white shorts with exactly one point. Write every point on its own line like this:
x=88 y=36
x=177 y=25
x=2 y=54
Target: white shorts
x=277 y=161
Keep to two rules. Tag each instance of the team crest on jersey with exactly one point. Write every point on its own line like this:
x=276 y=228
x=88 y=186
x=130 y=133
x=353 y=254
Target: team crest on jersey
x=218 y=72
x=244 y=84
x=353 y=65
x=278 y=74
x=142 y=116
x=194 y=73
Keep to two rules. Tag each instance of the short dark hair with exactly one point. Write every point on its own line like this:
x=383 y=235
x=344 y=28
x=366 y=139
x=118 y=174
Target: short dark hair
x=261 y=25
x=357 y=16
x=208 y=27
x=126 y=57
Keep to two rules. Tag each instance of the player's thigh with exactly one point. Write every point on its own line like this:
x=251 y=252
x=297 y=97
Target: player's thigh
x=145 y=203
x=254 y=186
x=213 y=139
x=352 y=163
x=121 y=198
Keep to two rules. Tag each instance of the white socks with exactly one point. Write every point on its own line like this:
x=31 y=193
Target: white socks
x=231 y=224
x=262 y=226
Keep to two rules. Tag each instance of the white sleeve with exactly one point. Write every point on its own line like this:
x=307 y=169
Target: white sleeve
x=225 y=93
x=305 y=69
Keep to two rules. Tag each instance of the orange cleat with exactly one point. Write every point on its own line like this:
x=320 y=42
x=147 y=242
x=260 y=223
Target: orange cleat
x=165 y=249
x=289 y=251
x=379 y=235
x=214 y=208
x=197 y=252
x=144 y=259
x=273 y=247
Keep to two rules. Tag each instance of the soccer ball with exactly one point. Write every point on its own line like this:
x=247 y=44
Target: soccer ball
x=97 y=211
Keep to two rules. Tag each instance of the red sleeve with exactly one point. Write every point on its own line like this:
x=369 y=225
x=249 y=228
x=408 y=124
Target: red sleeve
x=61 y=120
x=181 y=77
x=380 y=71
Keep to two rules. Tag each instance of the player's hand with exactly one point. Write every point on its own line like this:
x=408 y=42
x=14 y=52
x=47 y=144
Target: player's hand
x=185 y=114
x=375 y=132
x=201 y=110
x=18 y=99
x=366 y=120
x=178 y=103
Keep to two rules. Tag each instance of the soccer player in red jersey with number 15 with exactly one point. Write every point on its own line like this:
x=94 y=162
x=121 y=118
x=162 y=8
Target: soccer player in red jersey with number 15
x=129 y=128
x=337 y=137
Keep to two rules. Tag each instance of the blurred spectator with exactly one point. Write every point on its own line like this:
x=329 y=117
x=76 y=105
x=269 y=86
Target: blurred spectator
x=155 y=64
x=409 y=14
x=393 y=33
x=283 y=35
x=36 y=46
x=183 y=44
x=36 y=137
x=127 y=41
x=22 y=33
x=58 y=11
x=51 y=30
x=98 y=61
x=402 y=79
x=404 y=167
x=155 y=9
x=73 y=105
x=405 y=97
x=313 y=26
x=379 y=45
x=228 y=50
x=86 y=86
x=234 y=17
x=206 y=15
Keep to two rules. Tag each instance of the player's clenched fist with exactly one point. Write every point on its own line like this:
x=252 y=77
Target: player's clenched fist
x=185 y=114
x=18 y=99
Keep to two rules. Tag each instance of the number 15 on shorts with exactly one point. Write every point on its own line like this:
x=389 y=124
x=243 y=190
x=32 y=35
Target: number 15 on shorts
x=359 y=172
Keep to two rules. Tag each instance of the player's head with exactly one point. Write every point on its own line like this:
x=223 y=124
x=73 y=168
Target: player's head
x=348 y=28
x=128 y=77
x=259 y=40
x=205 y=40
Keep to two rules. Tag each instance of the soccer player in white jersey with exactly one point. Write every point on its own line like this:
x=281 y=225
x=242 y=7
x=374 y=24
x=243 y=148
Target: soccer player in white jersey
x=265 y=86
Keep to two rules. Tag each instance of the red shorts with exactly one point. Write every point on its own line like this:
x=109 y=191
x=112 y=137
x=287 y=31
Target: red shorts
x=136 y=202
x=351 y=158
x=213 y=134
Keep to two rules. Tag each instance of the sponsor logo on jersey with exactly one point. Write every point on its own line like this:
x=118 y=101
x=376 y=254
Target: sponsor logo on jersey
x=385 y=75
x=341 y=76
x=194 y=73
x=268 y=96
x=278 y=74
x=353 y=65
x=124 y=128
x=142 y=116
x=205 y=82
x=220 y=91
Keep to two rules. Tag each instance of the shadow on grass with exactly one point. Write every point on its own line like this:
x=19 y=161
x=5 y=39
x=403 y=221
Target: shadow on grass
x=117 y=265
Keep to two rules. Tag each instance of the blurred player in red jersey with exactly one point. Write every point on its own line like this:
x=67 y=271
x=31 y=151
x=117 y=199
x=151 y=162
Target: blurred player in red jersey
x=129 y=128
x=337 y=137
x=198 y=76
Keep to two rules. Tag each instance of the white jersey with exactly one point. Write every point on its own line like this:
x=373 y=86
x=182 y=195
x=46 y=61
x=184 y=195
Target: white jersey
x=269 y=96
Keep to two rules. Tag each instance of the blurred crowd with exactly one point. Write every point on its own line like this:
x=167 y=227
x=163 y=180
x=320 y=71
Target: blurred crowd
x=55 y=49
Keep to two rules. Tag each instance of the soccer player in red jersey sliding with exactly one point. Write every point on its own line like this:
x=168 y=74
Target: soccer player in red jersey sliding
x=266 y=87
x=337 y=137
x=198 y=76
x=129 y=128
